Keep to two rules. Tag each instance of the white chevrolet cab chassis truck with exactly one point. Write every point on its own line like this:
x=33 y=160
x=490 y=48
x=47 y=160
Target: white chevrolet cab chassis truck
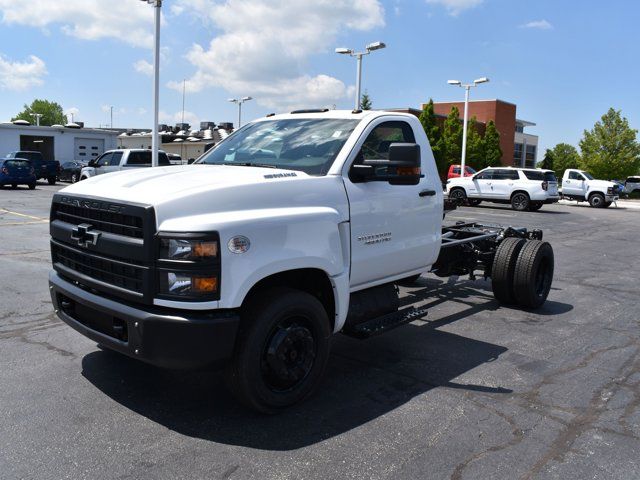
x=294 y=228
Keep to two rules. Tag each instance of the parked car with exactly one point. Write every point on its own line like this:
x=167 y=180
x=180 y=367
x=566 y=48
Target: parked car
x=17 y=171
x=46 y=169
x=523 y=188
x=70 y=171
x=632 y=185
x=115 y=160
x=581 y=186
x=454 y=171
x=174 y=158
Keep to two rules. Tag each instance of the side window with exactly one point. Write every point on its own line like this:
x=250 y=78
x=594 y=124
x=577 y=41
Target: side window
x=504 y=174
x=139 y=158
x=486 y=175
x=163 y=159
x=104 y=160
x=575 y=176
x=376 y=146
x=115 y=160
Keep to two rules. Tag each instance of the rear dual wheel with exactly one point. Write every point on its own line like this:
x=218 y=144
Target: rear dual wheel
x=522 y=272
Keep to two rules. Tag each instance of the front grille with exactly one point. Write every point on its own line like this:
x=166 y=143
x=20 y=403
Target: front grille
x=123 y=275
x=111 y=222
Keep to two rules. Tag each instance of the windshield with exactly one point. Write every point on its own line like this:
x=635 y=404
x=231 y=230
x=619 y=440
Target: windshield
x=307 y=145
x=588 y=175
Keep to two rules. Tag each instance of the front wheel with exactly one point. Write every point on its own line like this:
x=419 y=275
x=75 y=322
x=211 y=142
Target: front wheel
x=51 y=180
x=32 y=186
x=596 y=200
x=520 y=201
x=282 y=350
x=458 y=195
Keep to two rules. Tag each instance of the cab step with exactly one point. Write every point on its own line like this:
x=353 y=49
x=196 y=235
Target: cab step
x=383 y=324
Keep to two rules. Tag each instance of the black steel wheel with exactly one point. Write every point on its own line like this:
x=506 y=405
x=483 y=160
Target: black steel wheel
x=533 y=274
x=596 y=200
x=503 y=269
x=458 y=195
x=520 y=201
x=282 y=350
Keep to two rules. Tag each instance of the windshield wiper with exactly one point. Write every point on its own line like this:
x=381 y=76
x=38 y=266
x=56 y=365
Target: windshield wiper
x=251 y=164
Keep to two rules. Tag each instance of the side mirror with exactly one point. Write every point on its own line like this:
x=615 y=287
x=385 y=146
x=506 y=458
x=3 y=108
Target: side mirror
x=92 y=163
x=402 y=167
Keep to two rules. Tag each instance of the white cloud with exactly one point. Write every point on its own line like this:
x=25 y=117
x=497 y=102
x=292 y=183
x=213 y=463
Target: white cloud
x=263 y=45
x=144 y=67
x=455 y=7
x=125 y=20
x=539 y=24
x=20 y=76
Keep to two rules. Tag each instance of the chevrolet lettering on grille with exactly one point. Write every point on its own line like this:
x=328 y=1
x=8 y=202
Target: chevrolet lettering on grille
x=85 y=235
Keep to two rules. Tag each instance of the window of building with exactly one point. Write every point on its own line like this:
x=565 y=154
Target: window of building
x=517 y=153
x=519 y=128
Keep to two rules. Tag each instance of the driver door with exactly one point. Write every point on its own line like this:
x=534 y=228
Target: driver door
x=574 y=184
x=482 y=185
x=394 y=228
x=103 y=162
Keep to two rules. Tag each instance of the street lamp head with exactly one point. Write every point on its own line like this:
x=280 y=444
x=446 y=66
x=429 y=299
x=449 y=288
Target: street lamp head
x=232 y=100
x=376 y=46
x=454 y=82
x=344 y=51
x=481 y=80
x=244 y=99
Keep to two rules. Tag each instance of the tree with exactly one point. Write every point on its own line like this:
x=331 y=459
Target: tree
x=365 y=103
x=432 y=129
x=52 y=113
x=475 y=145
x=492 y=150
x=547 y=161
x=610 y=149
x=450 y=143
x=564 y=156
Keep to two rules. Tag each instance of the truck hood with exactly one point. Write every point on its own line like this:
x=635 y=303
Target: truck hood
x=600 y=184
x=191 y=190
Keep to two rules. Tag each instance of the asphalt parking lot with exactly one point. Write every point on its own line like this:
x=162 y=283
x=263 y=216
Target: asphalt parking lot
x=474 y=391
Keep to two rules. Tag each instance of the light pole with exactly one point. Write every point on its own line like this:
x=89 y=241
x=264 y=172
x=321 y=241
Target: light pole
x=467 y=87
x=348 y=51
x=240 y=101
x=157 y=4
x=111 y=124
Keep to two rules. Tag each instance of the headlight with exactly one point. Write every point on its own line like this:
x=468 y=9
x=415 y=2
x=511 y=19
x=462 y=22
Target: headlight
x=188 y=266
x=187 y=249
x=188 y=284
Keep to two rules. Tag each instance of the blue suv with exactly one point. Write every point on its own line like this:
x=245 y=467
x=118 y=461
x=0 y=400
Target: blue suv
x=17 y=171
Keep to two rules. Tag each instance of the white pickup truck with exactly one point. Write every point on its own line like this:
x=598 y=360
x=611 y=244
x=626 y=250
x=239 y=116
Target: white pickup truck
x=581 y=186
x=296 y=227
x=116 y=160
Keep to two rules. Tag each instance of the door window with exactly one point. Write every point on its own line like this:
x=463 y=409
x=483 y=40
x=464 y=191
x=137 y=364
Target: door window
x=115 y=160
x=486 y=175
x=376 y=146
x=104 y=160
x=575 y=176
x=505 y=174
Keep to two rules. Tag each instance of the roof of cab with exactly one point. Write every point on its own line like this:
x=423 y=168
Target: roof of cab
x=335 y=114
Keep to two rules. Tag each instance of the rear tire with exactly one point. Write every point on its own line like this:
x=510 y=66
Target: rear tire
x=520 y=201
x=533 y=274
x=503 y=269
x=535 y=206
x=51 y=180
x=596 y=200
x=282 y=350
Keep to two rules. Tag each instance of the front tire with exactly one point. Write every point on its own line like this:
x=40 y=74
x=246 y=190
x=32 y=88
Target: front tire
x=51 y=180
x=14 y=185
x=32 y=186
x=520 y=201
x=533 y=274
x=458 y=195
x=597 y=200
x=282 y=350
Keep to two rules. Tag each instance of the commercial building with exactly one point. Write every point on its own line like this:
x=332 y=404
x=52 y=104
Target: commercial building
x=519 y=149
x=57 y=142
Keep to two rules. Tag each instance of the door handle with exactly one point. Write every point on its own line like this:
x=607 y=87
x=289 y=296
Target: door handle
x=427 y=193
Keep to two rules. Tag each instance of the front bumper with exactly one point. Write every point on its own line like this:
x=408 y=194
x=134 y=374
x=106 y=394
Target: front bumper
x=611 y=198
x=159 y=336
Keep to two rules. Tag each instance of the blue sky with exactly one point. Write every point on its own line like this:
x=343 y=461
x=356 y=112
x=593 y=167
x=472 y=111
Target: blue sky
x=564 y=63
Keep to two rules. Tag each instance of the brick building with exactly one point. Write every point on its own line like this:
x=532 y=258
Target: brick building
x=519 y=149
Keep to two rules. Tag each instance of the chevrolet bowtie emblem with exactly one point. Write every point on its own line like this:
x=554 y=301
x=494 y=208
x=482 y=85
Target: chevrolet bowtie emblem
x=84 y=235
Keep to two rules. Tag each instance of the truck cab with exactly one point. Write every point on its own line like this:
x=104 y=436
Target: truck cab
x=295 y=227
x=580 y=185
x=116 y=160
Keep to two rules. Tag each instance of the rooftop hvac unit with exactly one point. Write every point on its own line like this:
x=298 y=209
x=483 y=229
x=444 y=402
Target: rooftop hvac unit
x=207 y=125
x=163 y=127
x=80 y=124
x=226 y=125
x=182 y=126
x=21 y=122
